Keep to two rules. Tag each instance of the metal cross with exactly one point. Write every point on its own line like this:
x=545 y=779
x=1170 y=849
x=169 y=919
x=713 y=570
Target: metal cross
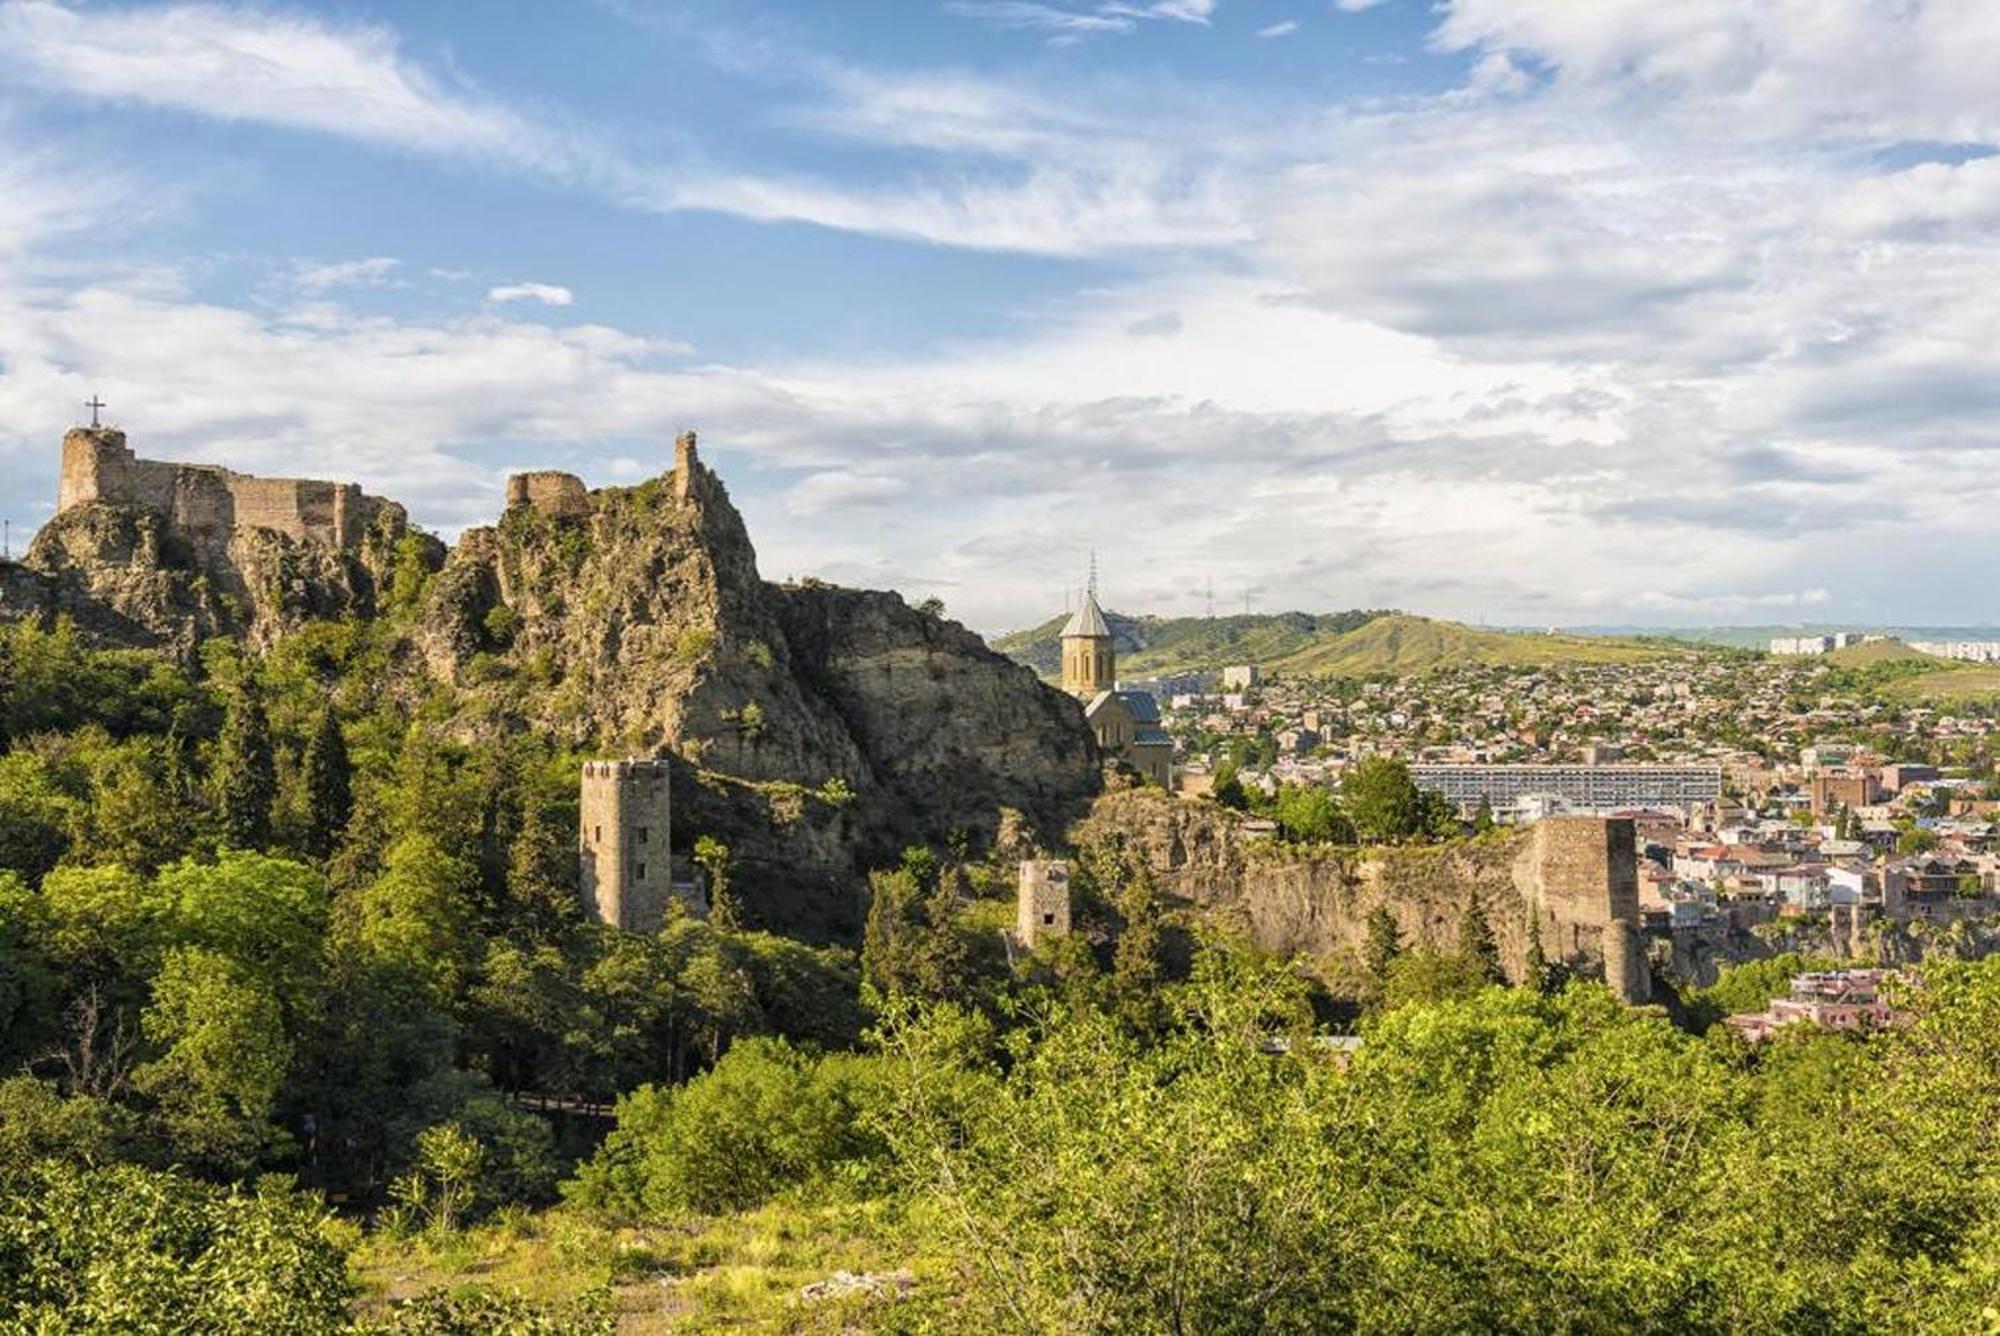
x=93 y=403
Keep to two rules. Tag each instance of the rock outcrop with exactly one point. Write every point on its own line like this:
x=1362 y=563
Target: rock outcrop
x=822 y=728
x=819 y=730
x=147 y=554
x=1317 y=902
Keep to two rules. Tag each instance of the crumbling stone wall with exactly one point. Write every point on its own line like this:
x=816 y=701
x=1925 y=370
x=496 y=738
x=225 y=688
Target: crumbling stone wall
x=558 y=495
x=208 y=504
x=1580 y=878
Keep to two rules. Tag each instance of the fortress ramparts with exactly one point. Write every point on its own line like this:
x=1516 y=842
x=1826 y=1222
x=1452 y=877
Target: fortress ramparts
x=209 y=503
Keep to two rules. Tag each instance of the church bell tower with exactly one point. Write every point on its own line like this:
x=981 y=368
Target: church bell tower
x=1089 y=664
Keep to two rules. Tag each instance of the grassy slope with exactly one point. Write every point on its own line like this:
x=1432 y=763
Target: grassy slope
x=1346 y=644
x=1872 y=652
x=739 y=1272
x=1400 y=643
x=1927 y=678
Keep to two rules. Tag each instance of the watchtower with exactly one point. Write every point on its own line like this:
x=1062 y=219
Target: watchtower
x=623 y=839
x=1042 y=910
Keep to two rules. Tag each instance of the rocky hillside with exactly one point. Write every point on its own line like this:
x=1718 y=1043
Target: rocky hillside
x=822 y=728
x=127 y=579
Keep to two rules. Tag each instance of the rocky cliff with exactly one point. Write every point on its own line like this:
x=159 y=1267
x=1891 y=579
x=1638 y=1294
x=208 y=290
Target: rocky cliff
x=128 y=576
x=1317 y=901
x=821 y=728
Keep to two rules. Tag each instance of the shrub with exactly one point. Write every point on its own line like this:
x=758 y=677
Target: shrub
x=765 y=1119
x=129 y=1249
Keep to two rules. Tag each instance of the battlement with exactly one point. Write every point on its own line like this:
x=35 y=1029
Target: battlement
x=634 y=769
x=556 y=494
x=208 y=503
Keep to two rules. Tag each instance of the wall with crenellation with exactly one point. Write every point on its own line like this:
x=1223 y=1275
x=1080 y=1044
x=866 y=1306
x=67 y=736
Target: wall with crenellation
x=206 y=503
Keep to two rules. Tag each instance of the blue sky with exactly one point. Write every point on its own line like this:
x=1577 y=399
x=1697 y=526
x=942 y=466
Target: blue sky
x=1506 y=310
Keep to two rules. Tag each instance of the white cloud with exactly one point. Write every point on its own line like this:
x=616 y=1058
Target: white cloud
x=1076 y=20
x=375 y=271
x=1283 y=29
x=252 y=65
x=548 y=294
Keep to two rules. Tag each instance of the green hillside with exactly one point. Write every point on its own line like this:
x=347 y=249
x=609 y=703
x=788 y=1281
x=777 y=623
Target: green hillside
x=1347 y=644
x=1152 y=645
x=1401 y=643
x=1872 y=652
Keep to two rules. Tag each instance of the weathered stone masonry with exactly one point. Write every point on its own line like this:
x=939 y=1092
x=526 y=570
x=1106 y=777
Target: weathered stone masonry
x=206 y=503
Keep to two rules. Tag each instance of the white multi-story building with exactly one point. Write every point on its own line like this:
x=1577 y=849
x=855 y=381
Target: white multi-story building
x=1525 y=789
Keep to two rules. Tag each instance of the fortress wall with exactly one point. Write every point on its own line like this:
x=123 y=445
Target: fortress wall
x=206 y=502
x=97 y=466
x=556 y=494
x=1585 y=870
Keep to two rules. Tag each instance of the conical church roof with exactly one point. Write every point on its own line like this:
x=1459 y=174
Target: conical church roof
x=1087 y=620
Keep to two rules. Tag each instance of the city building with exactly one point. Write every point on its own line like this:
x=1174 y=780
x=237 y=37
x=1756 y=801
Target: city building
x=1831 y=1000
x=1576 y=788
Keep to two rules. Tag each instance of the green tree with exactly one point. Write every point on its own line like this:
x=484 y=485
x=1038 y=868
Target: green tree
x=1381 y=945
x=246 y=774
x=421 y=914
x=767 y=1118
x=712 y=856
x=226 y=1055
x=125 y=1249
x=541 y=874
x=1475 y=942
x=438 y=1189
x=1535 y=967
x=1482 y=819
x=327 y=777
x=1381 y=799
x=1916 y=841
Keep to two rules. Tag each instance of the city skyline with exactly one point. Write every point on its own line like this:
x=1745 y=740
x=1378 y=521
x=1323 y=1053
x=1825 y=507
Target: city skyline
x=1502 y=312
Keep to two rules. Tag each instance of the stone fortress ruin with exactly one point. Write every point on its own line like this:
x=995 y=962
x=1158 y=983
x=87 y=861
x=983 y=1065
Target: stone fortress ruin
x=208 y=504
x=1579 y=876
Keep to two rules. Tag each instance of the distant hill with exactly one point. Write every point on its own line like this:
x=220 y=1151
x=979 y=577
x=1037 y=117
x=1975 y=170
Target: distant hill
x=1346 y=644
x=1871 y=652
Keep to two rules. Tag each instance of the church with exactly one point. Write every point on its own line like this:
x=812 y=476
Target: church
x=1127 y=723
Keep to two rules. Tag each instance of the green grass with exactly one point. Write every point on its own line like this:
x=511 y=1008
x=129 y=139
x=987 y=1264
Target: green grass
x=739 y=1272
x=1969 y=682
x=1354 y=644
x=1871 y=652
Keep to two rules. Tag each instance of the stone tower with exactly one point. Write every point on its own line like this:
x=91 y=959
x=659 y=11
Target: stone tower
x=1042 y=910
x=1582 y=871
x=687 y=467
x=1089 y=665
x=623 y=839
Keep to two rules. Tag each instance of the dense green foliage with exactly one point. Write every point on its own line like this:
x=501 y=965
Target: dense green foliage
x=269 y=940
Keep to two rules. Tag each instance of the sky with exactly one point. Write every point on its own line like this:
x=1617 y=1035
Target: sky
x=1510 y=311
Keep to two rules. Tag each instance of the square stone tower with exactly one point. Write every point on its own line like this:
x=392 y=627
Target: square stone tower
x=1042 y=910
x=1583 y=872
x=624 y=839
